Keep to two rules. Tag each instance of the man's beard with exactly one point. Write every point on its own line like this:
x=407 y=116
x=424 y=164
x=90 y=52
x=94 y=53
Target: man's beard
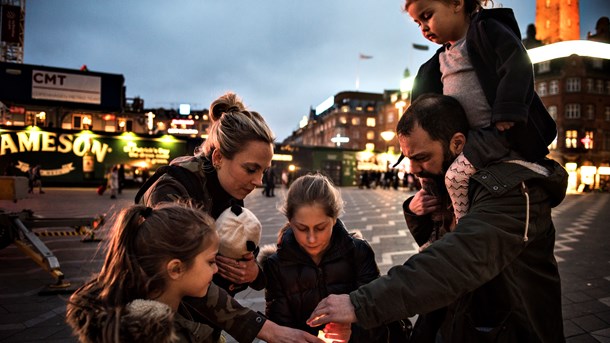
x=438 y=180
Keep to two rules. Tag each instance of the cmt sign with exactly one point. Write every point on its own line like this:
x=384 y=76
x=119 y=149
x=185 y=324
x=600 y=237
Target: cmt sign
x=48 y=85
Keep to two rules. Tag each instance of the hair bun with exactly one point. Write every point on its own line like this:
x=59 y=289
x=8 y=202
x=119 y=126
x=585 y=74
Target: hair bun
x=229 y=102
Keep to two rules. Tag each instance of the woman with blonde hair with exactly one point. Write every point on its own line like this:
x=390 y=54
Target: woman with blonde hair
x=227 y=167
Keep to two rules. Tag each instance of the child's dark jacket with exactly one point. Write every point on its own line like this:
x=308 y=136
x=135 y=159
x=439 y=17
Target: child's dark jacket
x=505 y=72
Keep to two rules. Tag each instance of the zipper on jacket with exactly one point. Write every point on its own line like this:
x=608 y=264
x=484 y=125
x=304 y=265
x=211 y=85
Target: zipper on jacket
x=525 y=192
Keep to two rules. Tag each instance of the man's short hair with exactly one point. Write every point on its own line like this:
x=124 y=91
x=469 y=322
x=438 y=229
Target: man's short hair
x=441 y=116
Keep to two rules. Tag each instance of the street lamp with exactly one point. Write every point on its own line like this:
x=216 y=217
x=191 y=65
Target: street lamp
x=387 y=136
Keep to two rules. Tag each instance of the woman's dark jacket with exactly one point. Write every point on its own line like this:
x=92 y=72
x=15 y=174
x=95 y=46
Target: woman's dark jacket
x=217 y=308
x=505 y=72
x=295 y=284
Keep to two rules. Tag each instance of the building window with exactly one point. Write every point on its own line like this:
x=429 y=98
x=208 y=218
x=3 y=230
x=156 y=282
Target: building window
x=598 y=63
x=355 y=134
x=125 y=125
x=553 y=112
x=589 y=85
x=345 y=108
x=542 y=91
x=590 y=112
x=607 y=113
x=571 y=137
x=573 y=84
x=343 y=120
x=358 y=108
x=608 y=87
x=572 y=111
x=554 y=87
x=390 y=117
x=370 y=122
x=599 y=86
x=370 y=135
x=587 y=141
x=81 y=122
x=606 y=141
x=544 y=67
x=356 y=121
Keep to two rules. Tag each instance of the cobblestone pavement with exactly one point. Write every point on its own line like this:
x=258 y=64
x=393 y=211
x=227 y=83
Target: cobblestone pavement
x=25 y=316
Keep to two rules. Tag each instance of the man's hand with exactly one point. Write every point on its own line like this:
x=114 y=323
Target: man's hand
x=334 y=308
x=242 y=271
x=504 y=125
x=273 y=333
x=423 y=203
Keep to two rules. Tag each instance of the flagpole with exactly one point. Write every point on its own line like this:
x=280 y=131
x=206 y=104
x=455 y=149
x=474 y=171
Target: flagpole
x=358 y=74
x=361 y=56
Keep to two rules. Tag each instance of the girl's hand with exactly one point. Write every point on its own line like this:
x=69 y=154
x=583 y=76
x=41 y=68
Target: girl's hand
x=504 y=125
x=238 y=271
x=337 y=332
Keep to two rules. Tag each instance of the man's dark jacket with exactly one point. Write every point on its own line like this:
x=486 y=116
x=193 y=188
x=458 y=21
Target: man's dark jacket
x=496 y=276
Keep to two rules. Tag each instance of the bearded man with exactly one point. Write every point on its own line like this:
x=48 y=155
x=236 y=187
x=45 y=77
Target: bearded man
x=491 y=277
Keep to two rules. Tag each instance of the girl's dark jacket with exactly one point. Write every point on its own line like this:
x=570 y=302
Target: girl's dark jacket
x=295 y=284
x=217 y=308
x=506 y=75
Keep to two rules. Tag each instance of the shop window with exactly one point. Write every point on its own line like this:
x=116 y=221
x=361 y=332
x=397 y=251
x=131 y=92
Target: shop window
x=587 y=140
x=125 y=125
x=571 y=139
x=572 y=111
x=82 y=122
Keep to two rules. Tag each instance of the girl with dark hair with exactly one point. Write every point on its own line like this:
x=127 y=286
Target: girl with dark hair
x=148 y=270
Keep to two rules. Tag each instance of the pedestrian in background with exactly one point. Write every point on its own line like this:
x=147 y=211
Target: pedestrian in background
x=113 y=181
x=148 y=270
x=35 y=179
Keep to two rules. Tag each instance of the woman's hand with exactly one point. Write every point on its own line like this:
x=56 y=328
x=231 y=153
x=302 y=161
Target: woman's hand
x=238 y=271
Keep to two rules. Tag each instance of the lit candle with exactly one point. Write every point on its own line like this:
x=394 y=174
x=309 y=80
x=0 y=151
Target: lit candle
x=321 y=336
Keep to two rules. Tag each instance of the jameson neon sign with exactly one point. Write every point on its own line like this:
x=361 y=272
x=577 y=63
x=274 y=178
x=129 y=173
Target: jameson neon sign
x=27 y=141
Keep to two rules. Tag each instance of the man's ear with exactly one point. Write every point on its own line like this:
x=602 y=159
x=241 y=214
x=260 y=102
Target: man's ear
x=174 y=269
x=457 y=142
